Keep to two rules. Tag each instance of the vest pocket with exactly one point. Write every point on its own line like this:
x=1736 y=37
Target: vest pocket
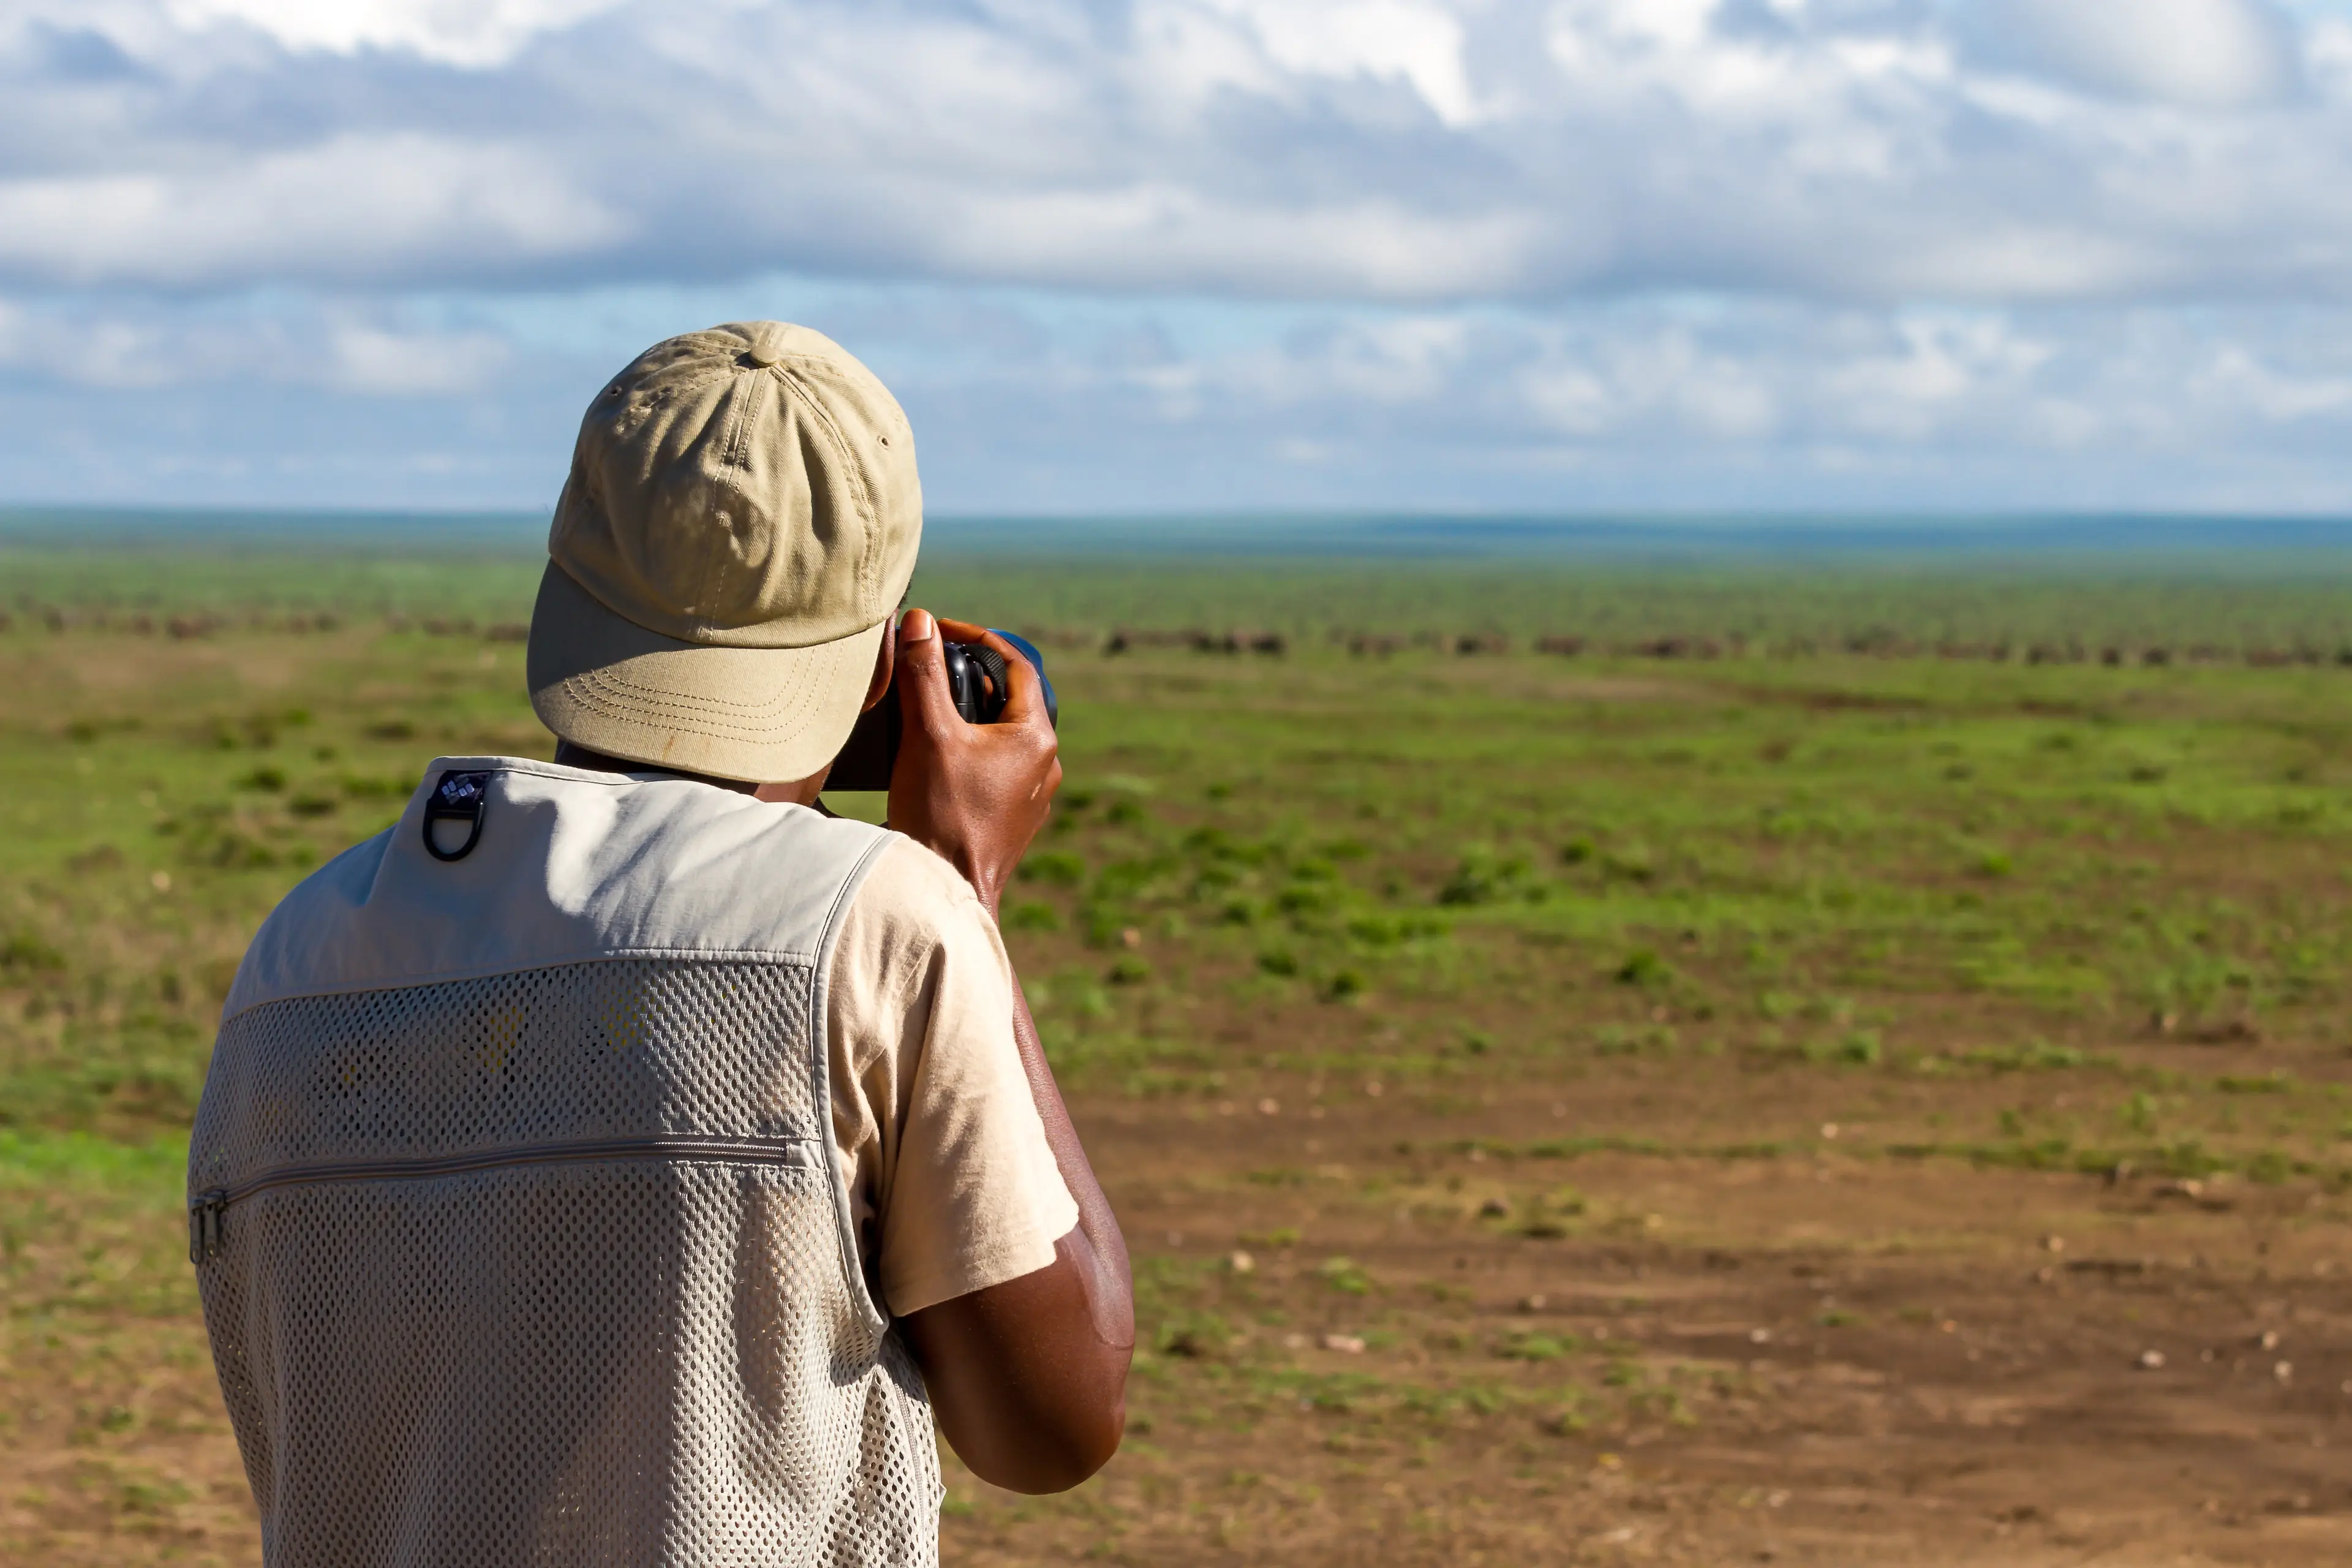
x=208 y=1210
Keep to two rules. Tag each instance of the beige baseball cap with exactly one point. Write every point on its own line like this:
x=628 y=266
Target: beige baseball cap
x=741 y=520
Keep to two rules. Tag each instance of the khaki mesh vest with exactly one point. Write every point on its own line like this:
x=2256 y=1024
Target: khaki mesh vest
x=513 y=1199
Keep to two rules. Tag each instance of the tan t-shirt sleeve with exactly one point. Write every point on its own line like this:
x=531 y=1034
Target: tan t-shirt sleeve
x=952 y=1185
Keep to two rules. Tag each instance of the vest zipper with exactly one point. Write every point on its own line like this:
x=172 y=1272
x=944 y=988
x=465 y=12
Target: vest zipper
x=208 y=1210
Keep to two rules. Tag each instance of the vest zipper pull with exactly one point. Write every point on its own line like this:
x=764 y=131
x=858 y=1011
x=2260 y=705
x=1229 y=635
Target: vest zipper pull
x=205 y=1213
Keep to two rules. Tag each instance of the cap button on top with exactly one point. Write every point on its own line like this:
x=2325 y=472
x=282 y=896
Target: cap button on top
x=767 y=346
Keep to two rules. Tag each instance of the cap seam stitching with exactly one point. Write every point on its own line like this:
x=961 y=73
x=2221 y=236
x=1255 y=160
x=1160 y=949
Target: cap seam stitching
x=586 y=686
x=696 y=724
x=657 y=695
x=676 y=715
x=731 y=469
x=849 y=467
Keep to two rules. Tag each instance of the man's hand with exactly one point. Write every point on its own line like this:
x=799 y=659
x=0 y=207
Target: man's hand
x=975 y=793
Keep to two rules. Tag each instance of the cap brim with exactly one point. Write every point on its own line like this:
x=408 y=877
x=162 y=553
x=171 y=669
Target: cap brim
x=760 y=714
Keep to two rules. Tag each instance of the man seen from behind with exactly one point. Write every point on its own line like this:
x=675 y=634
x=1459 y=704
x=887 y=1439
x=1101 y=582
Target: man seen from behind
x=622 y=1160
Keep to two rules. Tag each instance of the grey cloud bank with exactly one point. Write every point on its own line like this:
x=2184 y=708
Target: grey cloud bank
x=1392 y=150
x=1179 y=253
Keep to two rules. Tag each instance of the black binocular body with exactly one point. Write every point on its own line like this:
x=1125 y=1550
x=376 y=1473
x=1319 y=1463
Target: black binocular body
x=977 y=680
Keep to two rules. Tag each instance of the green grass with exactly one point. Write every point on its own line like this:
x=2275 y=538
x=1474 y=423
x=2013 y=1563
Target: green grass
x=477 y=573
x=1936 y=887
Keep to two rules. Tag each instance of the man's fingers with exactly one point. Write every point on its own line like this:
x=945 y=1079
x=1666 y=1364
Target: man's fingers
x=924 y=695
x=922 y=679
x=1024 y=694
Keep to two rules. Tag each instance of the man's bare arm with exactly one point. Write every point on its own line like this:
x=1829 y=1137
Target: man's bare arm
x=1029 y=1377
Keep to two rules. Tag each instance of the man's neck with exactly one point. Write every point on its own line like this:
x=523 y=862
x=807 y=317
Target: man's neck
x=797 y=792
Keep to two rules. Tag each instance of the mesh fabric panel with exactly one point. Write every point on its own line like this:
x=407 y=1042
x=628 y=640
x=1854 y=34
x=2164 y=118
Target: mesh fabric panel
x=634 y=1358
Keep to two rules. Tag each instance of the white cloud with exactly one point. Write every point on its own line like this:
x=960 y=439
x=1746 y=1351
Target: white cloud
x=346 y=347
x=474 y=34
x=2197 y=54
x=1911 y=389
x=1406 y=40
x=1149 y=236
x=1682 y=25
x=374 y=361
x=356 y=205
x=2238 y=377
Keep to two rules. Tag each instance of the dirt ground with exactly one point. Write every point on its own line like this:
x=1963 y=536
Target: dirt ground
x=1863 y=1361
x=1889 y=1364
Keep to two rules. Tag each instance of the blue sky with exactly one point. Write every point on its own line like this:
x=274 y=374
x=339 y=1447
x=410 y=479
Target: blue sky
x=1176 y=255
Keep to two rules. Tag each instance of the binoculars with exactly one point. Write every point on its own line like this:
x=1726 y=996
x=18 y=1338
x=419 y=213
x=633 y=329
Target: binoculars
x=976 y=678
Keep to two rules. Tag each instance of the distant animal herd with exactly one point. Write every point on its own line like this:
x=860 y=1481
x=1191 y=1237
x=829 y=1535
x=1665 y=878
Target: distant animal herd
x=1363 y=643
x=1868 y=645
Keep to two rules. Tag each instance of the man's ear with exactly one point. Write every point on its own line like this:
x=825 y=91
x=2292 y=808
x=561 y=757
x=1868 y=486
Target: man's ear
x=885 y=665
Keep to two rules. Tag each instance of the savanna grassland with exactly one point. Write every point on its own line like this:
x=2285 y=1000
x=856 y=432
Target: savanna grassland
x=1753 y=1088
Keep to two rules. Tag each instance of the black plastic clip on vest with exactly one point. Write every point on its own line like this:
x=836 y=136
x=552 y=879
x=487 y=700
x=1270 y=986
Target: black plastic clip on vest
x=460 y=796
x=207 y=1215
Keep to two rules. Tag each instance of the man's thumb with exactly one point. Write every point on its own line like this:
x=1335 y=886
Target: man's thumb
x=922 y=680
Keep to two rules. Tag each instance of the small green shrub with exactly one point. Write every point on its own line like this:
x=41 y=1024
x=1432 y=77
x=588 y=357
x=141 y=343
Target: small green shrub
x=1345 y=1276
x=1030 y=914
x=1860 y=1048
x=2270 y=1168
x=1483 y=878
x=2258 y=1083
x=1646 y=968
x=1054 y=867
x=1535 y=1347
x=24 y=951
